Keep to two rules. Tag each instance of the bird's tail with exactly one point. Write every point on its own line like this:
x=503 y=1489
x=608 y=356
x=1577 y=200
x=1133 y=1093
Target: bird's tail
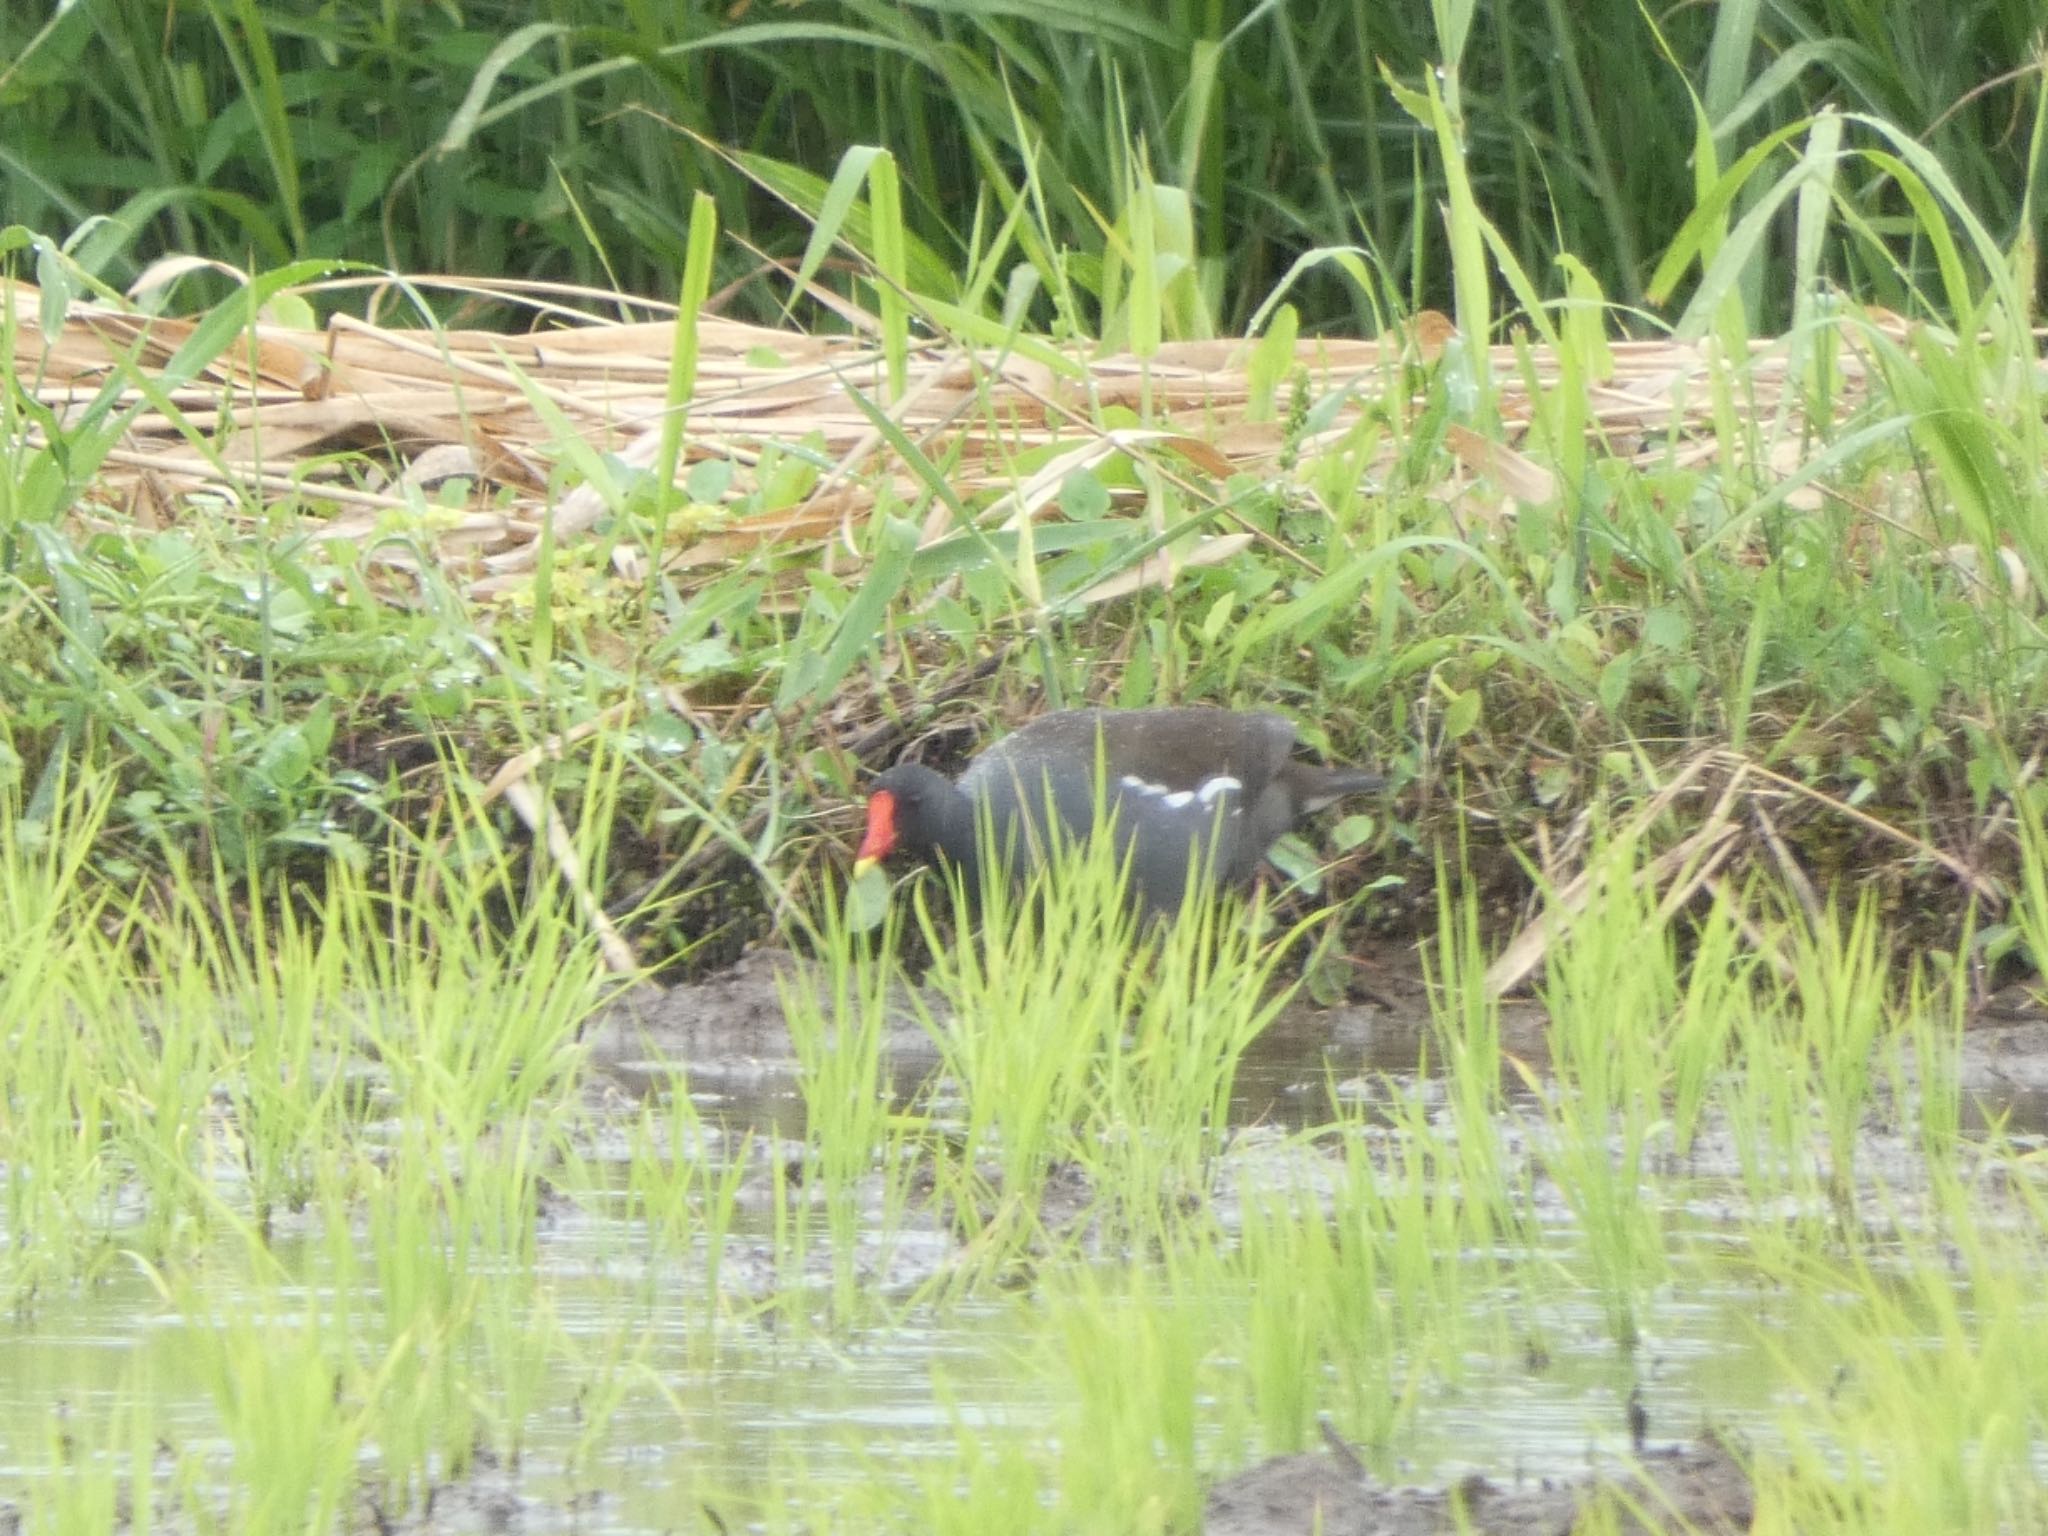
x=1335 y=783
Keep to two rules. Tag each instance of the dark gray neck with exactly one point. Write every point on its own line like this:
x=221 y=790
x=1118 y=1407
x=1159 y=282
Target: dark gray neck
x=950 y=824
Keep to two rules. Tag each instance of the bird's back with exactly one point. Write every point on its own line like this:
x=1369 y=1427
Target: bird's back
x=1180 y=787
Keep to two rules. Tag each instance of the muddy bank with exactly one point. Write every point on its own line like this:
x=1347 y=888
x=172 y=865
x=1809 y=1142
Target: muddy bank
x=1700 y=1488
x=1697 y=1488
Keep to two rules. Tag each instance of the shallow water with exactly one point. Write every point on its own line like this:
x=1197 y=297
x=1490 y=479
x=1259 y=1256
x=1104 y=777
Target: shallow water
x=722 y=1428
x=725 y=1419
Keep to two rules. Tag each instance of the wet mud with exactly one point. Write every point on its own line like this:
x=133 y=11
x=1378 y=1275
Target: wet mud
x=1698 y=1488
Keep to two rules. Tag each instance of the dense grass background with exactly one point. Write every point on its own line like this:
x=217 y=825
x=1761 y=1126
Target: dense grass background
x=1849 y=593
x=566 y=140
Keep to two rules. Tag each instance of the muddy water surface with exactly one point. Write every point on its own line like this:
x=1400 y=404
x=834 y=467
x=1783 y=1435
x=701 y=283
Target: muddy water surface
x=709 y=1419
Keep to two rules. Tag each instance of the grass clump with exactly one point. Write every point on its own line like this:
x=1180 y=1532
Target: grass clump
x=1077 y=1035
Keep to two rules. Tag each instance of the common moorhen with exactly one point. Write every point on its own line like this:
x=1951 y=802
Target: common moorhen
x=1175 y=784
